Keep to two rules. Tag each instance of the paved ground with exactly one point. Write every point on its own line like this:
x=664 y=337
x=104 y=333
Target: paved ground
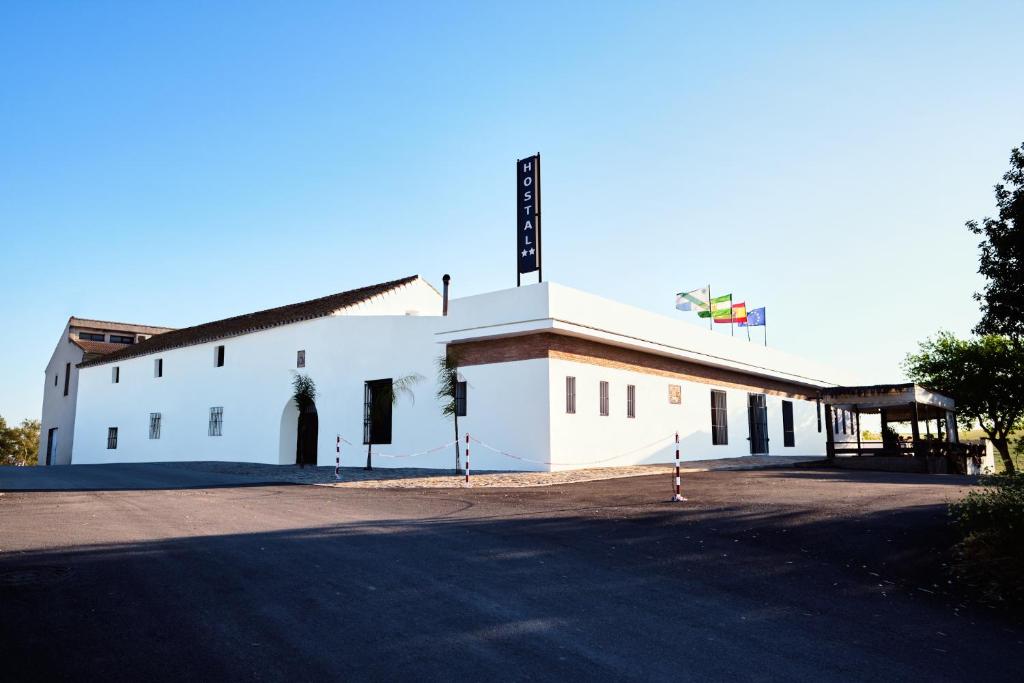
x=177 y=475
x=767 y=575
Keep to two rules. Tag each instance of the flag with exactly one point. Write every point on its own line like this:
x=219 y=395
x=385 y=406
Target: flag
x=721 y=307
x=697 y=300
x=739 y=314
x=755 y=318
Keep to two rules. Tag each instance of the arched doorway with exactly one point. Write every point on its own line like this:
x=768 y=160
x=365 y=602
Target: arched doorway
x=306 y=436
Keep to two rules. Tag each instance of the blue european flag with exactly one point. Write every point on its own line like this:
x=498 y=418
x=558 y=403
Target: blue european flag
x=755 y=318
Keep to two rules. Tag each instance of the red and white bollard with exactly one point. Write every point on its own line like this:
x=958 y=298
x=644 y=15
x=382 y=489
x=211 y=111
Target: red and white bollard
x=467 y=458
x=678 y=497
x=337 y=458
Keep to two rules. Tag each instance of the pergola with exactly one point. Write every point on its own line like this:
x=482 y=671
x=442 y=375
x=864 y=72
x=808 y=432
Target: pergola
x=895 y=403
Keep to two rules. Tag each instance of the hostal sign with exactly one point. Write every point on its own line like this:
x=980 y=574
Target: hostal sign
x=528 y=214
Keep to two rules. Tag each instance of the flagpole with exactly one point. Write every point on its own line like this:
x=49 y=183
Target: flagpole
x=747 y=325
x=732 y=319
x=765 y=326
x=711 y=315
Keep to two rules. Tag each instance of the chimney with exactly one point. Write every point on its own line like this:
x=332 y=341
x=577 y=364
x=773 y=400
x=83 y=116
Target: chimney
x=444 y=296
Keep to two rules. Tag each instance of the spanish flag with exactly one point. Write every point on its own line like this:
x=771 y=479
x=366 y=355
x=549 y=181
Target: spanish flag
x=739 y=314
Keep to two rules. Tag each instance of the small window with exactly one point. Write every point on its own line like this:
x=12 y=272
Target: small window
x=570 y=395
x=115 y=374
x=55 y=380
x=67 y=377
x=460 y=399
x=788 y=437
x=216 y=421
x=121 y=339
x=719 y=419
x=675 y=394
x=630 y=400
x=154 y=425
x=90 y=336
x=604 y=399
x=111 y=438
x=218 y=357
x=300 y=359
x=158 y=367
x=817 y=405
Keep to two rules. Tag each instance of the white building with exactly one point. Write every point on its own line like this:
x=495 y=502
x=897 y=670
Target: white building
x=81 y=340
x=555 y=377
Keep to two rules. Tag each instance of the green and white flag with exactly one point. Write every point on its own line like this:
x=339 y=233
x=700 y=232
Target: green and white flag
x=697 y=300
x=721 y=307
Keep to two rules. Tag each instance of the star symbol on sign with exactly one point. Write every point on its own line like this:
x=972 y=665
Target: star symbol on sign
x=524 y=253
x=531 y=252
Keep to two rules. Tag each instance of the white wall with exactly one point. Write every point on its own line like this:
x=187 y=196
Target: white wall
x=587 y=436
x=59 y=410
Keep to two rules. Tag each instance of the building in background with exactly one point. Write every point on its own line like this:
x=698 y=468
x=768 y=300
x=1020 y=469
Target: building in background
x=550 y=378
x=81 y=340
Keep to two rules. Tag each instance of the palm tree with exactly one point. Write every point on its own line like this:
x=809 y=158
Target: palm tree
x=447 y=389
x=390 y=393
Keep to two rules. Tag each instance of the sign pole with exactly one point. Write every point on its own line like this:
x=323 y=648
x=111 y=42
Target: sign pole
x=540 y=250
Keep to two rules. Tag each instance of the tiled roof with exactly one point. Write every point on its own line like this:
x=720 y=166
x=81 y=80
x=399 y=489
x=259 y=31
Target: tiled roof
x=116 y=327
x=97 y=347
x=251 y=322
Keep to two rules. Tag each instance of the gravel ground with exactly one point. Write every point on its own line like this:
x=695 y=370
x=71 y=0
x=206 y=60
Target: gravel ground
x=408 y=477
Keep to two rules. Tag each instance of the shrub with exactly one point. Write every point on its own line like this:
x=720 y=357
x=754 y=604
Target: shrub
x=990 y=553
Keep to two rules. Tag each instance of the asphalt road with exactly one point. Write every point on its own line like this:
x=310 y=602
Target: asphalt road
x=770 y=575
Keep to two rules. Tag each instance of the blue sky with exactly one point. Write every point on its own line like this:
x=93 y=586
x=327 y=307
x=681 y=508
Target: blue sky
x=174 y=163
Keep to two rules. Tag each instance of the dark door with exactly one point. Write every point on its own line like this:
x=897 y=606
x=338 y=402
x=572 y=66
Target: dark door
x=51 y=444
x=306 y=439
x=757 y=418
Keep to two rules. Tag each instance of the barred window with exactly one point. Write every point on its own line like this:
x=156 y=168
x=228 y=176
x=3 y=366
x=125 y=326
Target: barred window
x=115 y=374
x=300 y=359
x=158 y=367
x=570 y=395
x=216 y=421
x=111 y=438
x=218 y=356
x=154 y=425
x=719 y=419
x=604 y=399
x=630 y=400
x=460 y=399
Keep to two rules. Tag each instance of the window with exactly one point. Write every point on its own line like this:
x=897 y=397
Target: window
x=218 y=357
x=570 y=395
x=115 y=374
x=121 y=339
x=154 y=425
x=817 y=405
x=67 y=377
x=90 y=336
x=719 y=419
x=675 y=394
x=630 y=400
x=788 y=437
x=604 y=398
x=158 y=367
x=216 y=421
x=300 y=359
x=377 y=405
x=460 y=399
x=111 y=438
x=55 y=380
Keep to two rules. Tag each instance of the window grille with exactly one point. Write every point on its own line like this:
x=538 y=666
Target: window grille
x=630 y=400
x=604 y=398
x=460 y=399
x=570 y=395
x=216 y=421
x=111 y=438
x=158 y=367
x=154 y=425
x=115 y=374
x=218 y=357
x=300 y=359
x=719 y=419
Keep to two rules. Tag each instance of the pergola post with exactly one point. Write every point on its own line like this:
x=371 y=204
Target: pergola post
x=830 y=446
x=856 y=416
x=915 y=428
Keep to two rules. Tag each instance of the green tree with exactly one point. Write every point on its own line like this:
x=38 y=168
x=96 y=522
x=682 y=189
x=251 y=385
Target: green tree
x=985 y=375
x=19 y=445
x=447 y=387
x=1002 y=256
